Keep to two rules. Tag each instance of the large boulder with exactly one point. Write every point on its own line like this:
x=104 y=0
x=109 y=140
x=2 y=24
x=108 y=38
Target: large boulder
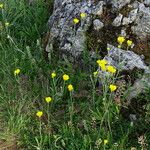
x=129 y=18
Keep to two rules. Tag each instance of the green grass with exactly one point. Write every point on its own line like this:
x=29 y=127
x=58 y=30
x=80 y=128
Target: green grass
x=79 y=120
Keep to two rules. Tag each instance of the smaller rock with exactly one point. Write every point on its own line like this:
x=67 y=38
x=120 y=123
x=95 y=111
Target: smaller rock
x=147 y=2
x=117 y=21
x=131 y=18
x=98 y=24
x=98 y=10
x=118 y=4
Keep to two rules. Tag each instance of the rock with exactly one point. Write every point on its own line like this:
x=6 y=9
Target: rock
x=147 y=2
x=128 y=60
x=98 y=24
x=118 y=20
x=118 y=4
x=70 y=38
x=142 y=22
x=124 y=60
x=131 y=18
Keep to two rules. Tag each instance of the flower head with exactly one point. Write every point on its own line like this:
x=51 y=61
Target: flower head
x=108 y=48
x=65 y=77
x=39 y=114
x=1 y=5
x=7 y=24
x=48 y=99
x=105 y=141
x=111 y=69
x=120 y=39
x=102 y=62
x=53 y=74
x=70 y=87
x=112 y=87
x=129 y=43
x=83 y=15
x=75 y=20
x=119 y=46
x=16 y=72
x=95 y=73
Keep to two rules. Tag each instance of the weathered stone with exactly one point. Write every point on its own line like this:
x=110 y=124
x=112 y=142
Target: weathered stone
x=118 y=20
x=128 y=60
x=118 y=4
x=70 y=37
x=142 y=22
x=98 y=24
x=131 y=18
x=147 y=2
x=124 y=60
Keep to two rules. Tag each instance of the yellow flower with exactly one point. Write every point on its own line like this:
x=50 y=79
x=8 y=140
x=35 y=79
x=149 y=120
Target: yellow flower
x=112 y=87
x=39 y=114
x=16 y=72
x=75 y=20
x=120 y=39
x=83 y=15
x=111 y=69
x=1 y=5
x=105 y=142
x=95 y=73
x=53 y=74
x=6 y=24
x=129 y=42
x=48 y=99
x=70 y=87
x=65 y=77
x=102 y=62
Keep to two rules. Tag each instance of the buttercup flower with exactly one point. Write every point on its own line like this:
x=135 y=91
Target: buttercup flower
x=102 y=62
x=53 y=74
x=112 y=87
x=16 y=72
x=129 y=43
x=1 y=5
x=120 y=39
x=83 y=15
x=105 y=142
x=111 y=69
x=75 y=20
x=39 y=114
x=48 y=99
x=65 y=77
x=70 y=87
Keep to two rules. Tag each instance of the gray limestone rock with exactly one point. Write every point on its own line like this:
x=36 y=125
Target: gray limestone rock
x=128 y=60
x=118 y=4
x=98 y=24
x=147 y=2
x=70 y=37
x=142 y=22
x=124 y=60
x=131 y=18
x=118 y=20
